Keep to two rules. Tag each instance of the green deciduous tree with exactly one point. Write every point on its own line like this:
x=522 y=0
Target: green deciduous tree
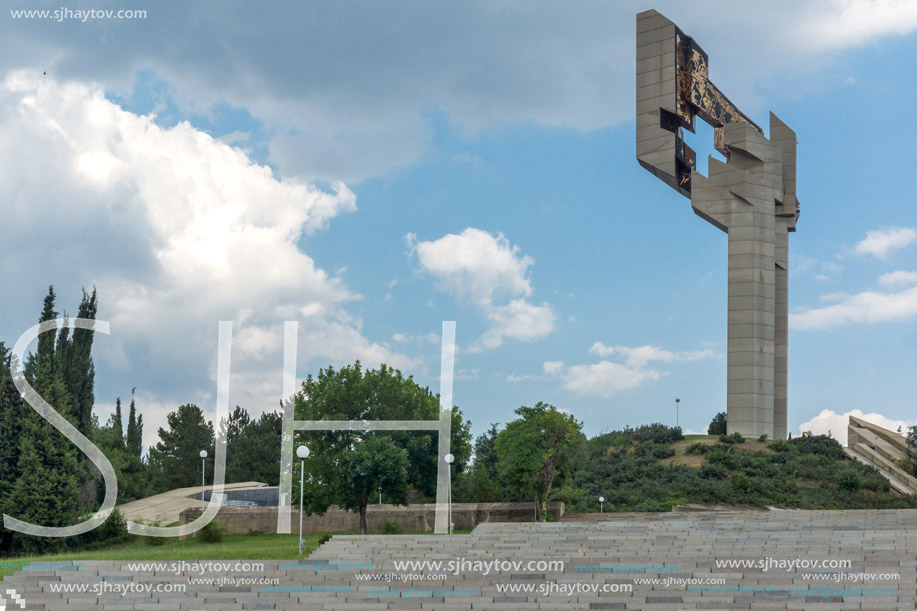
x=911 y=461
x=537 y=450
x=346 y=468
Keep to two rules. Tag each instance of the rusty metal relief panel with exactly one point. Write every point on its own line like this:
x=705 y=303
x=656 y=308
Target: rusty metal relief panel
x=696 y=93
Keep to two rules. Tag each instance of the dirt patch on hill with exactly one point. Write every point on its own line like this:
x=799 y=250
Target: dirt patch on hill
x=697 y=460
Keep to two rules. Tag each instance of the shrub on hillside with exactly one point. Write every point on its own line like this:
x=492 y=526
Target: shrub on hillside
x=652 y=505
x=849 y=478
x=212 y=532
x=713 y=471
x=111 y=532
x=780 y=445
x=650 y=449
x=605 y=443
x=876 y=483
x=740 y=481
x=660 y=452
x=722 y=455
x=657 y=433
x=730 y=439
x=697 y=448
x=820 y=445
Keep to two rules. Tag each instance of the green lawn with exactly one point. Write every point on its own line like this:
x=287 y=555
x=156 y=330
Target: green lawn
x=233 y=547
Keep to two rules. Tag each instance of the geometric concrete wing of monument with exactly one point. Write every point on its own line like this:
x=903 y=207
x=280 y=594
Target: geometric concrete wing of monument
x=751 y=197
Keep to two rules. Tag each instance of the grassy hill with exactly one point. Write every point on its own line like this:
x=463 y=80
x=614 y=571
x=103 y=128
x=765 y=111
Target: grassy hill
x=653 y=468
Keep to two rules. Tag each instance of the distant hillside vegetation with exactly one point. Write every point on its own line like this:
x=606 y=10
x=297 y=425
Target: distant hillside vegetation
x=654 y=467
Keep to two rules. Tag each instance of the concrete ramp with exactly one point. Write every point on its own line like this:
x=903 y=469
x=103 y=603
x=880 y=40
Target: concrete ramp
x=167 y=507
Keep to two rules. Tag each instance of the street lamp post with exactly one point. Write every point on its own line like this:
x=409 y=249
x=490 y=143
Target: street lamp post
x=677 y=401
x=203 y=476
x=303 y=453
x=601 y=504
x=449 y=460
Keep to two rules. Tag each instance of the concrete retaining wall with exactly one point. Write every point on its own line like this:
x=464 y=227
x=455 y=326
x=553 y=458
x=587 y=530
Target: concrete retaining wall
x=412 y=518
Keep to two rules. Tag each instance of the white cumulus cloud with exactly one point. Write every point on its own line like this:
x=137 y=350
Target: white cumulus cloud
x=868 y=307
x=640 y=356
x=830 y=421
x=898 y=279
x=881 y=242
x=606 y=378
x=485 y=271
x=178 y=231
x=856 y=22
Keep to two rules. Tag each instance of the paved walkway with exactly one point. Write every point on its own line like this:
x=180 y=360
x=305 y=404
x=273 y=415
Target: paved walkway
x=599 y=563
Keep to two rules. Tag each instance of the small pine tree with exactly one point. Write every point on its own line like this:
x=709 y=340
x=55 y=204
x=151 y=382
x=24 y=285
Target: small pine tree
x=176 y=456
x=717 y=425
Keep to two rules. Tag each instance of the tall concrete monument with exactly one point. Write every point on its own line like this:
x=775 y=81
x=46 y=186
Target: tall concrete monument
x=752 y=197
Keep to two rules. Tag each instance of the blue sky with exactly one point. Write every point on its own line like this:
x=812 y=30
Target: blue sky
x=372 y=169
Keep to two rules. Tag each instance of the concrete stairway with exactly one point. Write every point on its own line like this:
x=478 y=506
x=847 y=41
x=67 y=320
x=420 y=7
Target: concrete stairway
x=606 y=555
x=882 y=449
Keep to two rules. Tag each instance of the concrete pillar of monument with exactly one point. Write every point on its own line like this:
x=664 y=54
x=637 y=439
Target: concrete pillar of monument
x=781 y=319
x=787 y=211
x=740 y=198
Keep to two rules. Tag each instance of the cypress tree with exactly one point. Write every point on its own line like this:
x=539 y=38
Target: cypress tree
x=10 y=409
x=47 y=489
x=74 y=355
x=117 y=425
x=46 y=340
x=10 y=405
x=134 y=483
x=134 y=442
